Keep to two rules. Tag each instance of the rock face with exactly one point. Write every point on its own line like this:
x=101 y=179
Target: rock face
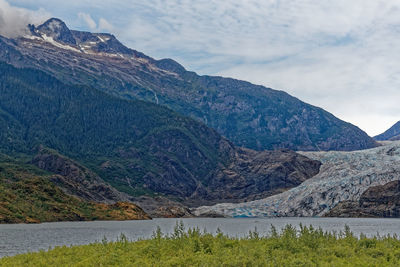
x=125 y=211
x=376 y=201
x=254 y=175
x=343 y=177
x=251 y=116
x=392 y=134
x=162 y=207
x=75 y=179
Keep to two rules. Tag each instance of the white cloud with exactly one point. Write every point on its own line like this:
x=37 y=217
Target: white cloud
x=103 y=24
x=87 y=18
x=341 y=55
x=14 y=21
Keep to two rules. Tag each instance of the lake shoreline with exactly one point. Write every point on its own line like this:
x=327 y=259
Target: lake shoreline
x=22 y=238
x=288 y=246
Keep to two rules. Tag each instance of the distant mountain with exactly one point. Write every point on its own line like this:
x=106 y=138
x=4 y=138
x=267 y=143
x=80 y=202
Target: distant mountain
x=392 y=134
x=89 y=140
x=251 y=116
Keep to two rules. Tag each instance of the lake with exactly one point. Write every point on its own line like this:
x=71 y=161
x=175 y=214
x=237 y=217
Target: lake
x=21 y=238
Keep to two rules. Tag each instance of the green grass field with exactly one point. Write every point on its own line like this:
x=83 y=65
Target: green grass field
x=290 y=247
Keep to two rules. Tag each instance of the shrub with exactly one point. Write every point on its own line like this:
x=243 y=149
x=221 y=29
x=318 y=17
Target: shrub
x=305 y=246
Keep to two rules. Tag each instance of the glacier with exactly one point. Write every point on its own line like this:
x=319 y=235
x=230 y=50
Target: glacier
x=343 y=176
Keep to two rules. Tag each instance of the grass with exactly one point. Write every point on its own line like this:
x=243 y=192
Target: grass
x=290 y=247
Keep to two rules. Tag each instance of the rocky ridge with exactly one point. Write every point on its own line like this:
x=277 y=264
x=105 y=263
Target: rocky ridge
x=251 y=116
x=392 y=134
x=343 y=177
x=254 y=175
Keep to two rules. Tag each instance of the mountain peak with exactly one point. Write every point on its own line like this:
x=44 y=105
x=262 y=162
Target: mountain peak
x=58 y=30
x=55 y=22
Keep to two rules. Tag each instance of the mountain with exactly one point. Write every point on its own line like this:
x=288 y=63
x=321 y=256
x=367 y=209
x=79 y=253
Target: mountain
x=94 y=144
x=250 y=115
x=363 y=178
x=392 y=134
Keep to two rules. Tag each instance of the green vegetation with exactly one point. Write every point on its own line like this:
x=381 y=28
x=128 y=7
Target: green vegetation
x=28 y=196
x=249 y=115
x=290 y=247
x=116 y=138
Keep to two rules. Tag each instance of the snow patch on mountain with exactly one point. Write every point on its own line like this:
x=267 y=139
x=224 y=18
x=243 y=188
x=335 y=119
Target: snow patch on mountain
x=59 y=45
x=103 y=39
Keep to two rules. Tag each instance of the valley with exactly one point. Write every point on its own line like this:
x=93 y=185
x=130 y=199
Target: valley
x=104 y=149
x=199 y=133
x=109 y=125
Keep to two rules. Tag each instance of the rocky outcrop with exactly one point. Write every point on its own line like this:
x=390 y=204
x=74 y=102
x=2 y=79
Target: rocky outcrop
x=377 y=201
x=75 y=179
x=162 y=207
x=251 y=116
x=55 y=29
x=343 y=178
x=124 y=211
x=254 y=175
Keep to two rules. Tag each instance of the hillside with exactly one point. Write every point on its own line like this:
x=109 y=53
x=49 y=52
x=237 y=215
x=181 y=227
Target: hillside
x=249 y=115
x=392 y=134
x=29 y=196
x=90 y=140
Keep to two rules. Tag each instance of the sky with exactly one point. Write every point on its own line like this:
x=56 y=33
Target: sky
x=343 y=56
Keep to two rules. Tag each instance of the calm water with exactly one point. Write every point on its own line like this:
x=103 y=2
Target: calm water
x=20 y=238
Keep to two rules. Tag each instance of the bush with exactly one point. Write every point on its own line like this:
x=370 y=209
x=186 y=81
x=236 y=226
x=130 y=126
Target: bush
x=289 y=247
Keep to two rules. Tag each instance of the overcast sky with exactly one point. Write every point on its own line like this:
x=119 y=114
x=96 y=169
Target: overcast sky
x=341 y=55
